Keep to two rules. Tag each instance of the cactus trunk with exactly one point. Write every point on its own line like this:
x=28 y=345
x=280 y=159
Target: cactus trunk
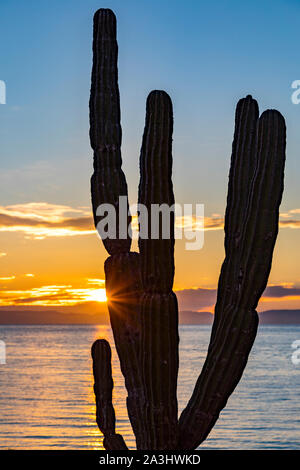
x=159 y=311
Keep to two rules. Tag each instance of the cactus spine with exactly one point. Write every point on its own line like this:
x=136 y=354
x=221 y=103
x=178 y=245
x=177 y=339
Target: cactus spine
x=142 y=306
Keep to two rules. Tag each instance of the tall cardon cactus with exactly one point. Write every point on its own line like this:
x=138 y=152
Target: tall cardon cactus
x=142 y=306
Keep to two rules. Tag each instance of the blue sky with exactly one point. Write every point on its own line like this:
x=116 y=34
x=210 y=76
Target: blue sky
x=206 y=55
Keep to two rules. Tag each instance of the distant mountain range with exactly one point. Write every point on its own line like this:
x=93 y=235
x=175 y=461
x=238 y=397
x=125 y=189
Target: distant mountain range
x=12 y=316
x=280 y=317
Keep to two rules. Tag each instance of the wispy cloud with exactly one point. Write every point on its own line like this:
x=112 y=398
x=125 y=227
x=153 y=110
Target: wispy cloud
x=278 y=291
x=7 y=278
x=196 y=299
x=203 y=298
x=290 y=219
x=42 y=219
x=291 y=223
x=93 y=289
x=54 y=295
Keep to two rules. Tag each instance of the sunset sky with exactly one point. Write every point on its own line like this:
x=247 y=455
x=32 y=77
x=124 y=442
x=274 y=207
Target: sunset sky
x=206 y=56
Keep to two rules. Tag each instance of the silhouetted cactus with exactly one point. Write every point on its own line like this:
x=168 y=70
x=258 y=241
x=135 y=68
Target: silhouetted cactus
x=158 y=308
x=105 y=414
x=251 y=226
x=123 y=286
x=142 y=306
x=105 y=127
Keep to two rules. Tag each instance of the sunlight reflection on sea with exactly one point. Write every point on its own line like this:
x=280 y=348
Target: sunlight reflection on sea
x=47 y=399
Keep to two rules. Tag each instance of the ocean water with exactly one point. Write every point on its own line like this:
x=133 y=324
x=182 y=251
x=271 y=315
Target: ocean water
x=47 y=401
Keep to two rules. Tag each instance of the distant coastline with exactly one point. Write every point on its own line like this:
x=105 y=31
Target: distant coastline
x=53 y=317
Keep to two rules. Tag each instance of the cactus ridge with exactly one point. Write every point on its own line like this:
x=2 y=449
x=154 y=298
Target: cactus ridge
x=159 y=309
x=159 y=346
x=108 y=181
x=105 y=98
x=243 y=165
x=142 y=305
x=157 y=255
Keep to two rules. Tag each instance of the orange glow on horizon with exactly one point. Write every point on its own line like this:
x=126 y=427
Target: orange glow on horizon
x=42 y=247
x=53 y=295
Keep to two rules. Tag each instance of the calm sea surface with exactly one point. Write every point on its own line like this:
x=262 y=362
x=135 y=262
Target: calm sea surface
x=47 y=402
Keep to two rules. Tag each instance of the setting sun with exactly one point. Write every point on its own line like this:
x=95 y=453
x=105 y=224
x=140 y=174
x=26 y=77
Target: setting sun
x=98 y=295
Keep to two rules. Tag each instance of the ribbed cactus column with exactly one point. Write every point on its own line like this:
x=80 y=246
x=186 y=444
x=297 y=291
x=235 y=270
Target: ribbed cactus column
x=251 y=228
x=142 y=306
x=103 y=387
x=159 y=311
x=156 y=191
x=108 y=182
x=242 y=168
x=123 y=286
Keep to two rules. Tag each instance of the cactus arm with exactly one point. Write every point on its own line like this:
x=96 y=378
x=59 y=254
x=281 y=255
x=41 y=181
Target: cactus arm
x=242 y=168
x=237 y=320
x=261 y=227
x=105 y=413
x=122 y=270
x=157 y=255
x=243 y=164
x=159 y=311
x=108 y=181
